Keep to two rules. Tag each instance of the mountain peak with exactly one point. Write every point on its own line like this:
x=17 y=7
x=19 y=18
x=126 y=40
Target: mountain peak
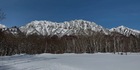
x=125 y=31
x=62 y=28
x=122 y=26
x=73 y=27
x=2 y=26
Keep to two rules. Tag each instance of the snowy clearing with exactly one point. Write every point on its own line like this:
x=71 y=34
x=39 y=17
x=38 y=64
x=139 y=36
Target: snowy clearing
x=98 y=61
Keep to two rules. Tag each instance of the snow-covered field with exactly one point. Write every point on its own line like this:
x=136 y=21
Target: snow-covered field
x=98 y=61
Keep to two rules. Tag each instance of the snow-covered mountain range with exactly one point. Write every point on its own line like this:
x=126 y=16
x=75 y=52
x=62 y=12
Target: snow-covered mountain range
x=74 y=27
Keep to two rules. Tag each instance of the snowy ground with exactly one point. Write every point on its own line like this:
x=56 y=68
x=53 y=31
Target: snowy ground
x=97 y=61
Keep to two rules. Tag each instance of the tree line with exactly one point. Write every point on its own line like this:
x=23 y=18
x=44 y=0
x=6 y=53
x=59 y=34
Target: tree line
x=97 y=42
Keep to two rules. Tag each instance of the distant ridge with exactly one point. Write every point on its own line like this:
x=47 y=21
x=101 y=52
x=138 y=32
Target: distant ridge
x=73 y=27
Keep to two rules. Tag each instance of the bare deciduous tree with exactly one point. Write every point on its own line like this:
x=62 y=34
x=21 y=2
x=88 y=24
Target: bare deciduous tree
x=2 y=15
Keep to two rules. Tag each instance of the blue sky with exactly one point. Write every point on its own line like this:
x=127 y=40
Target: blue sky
x=108 y=13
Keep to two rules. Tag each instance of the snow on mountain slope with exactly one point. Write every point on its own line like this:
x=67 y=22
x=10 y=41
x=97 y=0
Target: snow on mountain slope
x=2 y=26
x=125 y=31
x=13 y=30
x=74 y=27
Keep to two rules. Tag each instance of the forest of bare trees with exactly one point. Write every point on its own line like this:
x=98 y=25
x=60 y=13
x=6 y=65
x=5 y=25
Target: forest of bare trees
x=97 y=42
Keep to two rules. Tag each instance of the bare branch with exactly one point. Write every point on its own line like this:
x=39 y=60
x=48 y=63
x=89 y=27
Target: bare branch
x=2 y=15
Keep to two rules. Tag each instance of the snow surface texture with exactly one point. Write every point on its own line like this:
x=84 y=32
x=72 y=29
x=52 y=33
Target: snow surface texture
x=97 y=61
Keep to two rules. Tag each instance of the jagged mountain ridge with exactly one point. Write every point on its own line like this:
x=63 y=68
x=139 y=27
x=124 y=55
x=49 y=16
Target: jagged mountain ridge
x=125 y=31
x=74 y=27
x=13 y=30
